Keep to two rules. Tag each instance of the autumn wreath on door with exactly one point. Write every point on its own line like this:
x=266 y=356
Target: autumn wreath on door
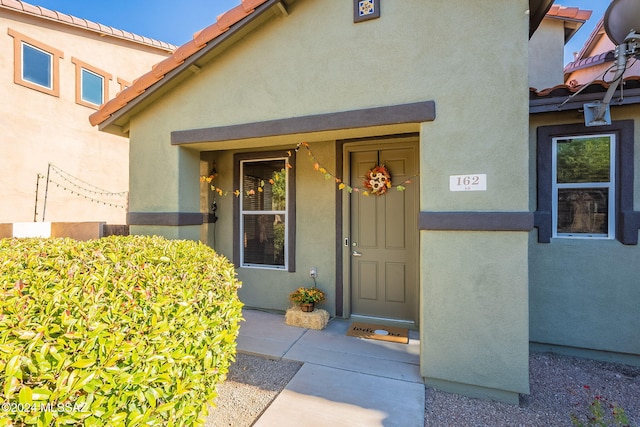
x=378 y=180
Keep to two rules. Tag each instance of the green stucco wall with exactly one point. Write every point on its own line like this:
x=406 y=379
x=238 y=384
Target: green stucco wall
x=474 y=329
x=584 y=293
x=470 y=58
x=315 y=235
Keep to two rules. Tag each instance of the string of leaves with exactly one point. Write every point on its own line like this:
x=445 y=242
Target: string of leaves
x=318 y=166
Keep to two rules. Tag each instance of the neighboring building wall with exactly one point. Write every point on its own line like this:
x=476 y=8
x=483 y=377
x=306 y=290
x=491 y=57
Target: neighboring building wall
x=474 y=305
x=546 y=55
x=593 y=65
x=584 y=293
x=39 y=128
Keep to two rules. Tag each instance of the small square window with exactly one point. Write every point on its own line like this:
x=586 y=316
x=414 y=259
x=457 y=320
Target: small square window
x=92 y=84
x=92 y=87
x=36 y=65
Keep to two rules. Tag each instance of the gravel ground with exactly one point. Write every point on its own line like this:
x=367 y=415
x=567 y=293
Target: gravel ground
x=560 y=386
x=252 y=384
x=558 y=390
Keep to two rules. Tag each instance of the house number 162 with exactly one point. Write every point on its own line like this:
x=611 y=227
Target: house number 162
x=474 y=182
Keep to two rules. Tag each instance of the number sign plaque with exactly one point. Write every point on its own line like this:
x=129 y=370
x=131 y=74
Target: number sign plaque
x=475 y=182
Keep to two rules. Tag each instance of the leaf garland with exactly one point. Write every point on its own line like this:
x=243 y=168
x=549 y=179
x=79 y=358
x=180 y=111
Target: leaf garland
x=318 y=166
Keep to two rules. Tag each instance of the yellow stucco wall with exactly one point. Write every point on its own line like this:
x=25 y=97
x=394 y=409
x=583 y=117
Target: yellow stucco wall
x=38 y=128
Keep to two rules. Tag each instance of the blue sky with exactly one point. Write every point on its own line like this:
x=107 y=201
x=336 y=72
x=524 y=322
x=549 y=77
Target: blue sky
x=171 y=21
x=175 y=21
x=598 y=7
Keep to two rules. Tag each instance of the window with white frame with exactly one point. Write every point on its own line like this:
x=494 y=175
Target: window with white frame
x=264 y=222
x=583 y=169
x=585 y=182
x=91 y=85
x=36 y=65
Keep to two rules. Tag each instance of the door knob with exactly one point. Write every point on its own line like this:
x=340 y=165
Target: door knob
x=356 y=253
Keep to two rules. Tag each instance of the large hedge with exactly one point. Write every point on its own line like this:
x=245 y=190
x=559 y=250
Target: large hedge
x=121 y=331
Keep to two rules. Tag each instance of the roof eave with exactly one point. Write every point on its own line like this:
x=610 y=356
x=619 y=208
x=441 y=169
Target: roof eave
x=564 y=98
x=537 y=11
x=117 y=123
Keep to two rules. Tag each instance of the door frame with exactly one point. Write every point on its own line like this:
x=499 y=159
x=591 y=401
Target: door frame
x=343 y=223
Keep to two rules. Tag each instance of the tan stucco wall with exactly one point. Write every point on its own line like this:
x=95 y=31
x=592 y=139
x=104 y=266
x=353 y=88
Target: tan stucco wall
x=317 y=61
x=38 y=128
x=604 y=71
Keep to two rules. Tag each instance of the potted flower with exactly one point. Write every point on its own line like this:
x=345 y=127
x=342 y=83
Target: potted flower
x=306 y=298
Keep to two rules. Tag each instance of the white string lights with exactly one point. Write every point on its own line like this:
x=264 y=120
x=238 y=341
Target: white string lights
x=81 y=188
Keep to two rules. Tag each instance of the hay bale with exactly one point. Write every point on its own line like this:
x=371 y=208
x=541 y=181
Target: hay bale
x=317 y=319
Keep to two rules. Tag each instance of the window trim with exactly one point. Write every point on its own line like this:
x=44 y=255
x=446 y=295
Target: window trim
x=626 y=219
x=124 y=84
x=18 y=40
x=290 y=210
x=106 y=77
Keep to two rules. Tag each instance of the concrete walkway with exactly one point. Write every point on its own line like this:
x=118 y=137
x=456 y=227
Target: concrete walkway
x=344 y=381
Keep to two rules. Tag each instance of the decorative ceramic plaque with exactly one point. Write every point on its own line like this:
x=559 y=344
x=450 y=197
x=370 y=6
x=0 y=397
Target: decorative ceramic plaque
x=364 y=10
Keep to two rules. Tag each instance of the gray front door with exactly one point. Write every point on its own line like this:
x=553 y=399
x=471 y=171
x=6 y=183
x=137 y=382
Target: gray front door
x=384 y=234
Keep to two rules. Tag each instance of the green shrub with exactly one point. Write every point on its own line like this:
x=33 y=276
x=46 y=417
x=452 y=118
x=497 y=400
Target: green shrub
x=121 y=331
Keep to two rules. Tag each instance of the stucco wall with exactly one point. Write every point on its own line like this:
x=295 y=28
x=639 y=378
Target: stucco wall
x=546 y=55
x=38 y=128
x=315 y=236
x=316 y=61
x=584 y=293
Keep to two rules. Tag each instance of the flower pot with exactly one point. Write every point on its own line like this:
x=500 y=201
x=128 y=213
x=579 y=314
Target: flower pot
x=307 y=307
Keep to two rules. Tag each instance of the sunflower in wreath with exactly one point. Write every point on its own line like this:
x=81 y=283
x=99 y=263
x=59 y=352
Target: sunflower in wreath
x=378 y=180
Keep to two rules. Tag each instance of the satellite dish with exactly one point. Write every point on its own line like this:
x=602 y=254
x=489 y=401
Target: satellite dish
x=621 y=18
x=622 y=24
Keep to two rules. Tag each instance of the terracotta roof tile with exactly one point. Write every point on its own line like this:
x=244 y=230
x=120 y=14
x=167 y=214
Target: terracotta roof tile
x=63 y=17
x=230 y=17
x=593 y=87
x=186 y=50
x=12 y=3
x=26 y=7
x=590 y=61
x=249 y=5
x=572 y=13
x=157 y=73
x=92 y=25
x=48 y=13
x=23 y=7
x=201 y=38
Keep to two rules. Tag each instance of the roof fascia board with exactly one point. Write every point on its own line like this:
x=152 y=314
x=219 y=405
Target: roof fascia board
x=552 y=104
x=417 y=112
x=116 y=121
